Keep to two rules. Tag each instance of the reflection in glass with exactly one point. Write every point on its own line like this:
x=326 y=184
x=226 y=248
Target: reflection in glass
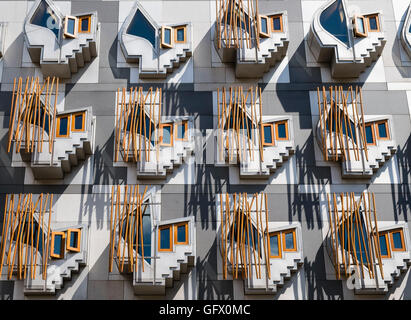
x=334 y=21
x=46 y=18
x=141 y=27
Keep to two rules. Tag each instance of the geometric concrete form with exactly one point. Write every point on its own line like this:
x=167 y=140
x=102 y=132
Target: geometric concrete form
x=265 y=253
x=61 y=45
x=2 y=35
x=343 y=37
x=166 y=248
x=259 y=145
x=257 y=45
x=406 y=33
x=157 y=50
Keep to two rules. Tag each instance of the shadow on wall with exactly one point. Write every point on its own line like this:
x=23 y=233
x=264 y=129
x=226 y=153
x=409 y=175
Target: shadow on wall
x=402 y=196
x=396 y=50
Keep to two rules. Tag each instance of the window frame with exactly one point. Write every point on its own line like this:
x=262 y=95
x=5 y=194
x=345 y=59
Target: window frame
x=164 y=44
x=278 y=234
x=400 y=230
x=365 y=23
x=166 y=226
x=73 y=124
x=68 y=34
x=293 y=231
x=185 y=34
x=62 y=249
x=80 y=19
x=185 y=223
x=377 y=18
x=376 y=123
x=260 y=32
x=286 y=130
x=59 y=117
x=162 y=125
x=281 y=22
x=185 y=138
x=370 y=124
x=272 y=134
x=70 y=248
x=387 y=243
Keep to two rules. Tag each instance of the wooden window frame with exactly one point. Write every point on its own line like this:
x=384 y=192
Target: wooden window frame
x=185 y=138
x=371 y=124
x=260 y=32
x=67 y=34
x=162 y=126
x=70 y=248
x=365 y=22
x=68 y=116
x=175 y=232
x=80 y=19
x=294 y=240
x=63 y=239
x=168 y=226
x=185 y=34
x=281 y=22
x=163 y=43
x=286 y=130
x=387 y=243
x=392 y=239
x=378 y=132
x=377 y=17
x=73 y=124
x=272 y=134
x=278 y=234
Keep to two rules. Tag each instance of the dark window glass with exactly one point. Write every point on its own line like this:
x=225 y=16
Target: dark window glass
x=85 y=24
x=264 y=27
x=181 y=233
x=360 y=25
x=383 y=245
x=71 y=26
x=277 y=23
x=167 y=36
x=373 y=23
x=334 y=21
x=63 y=130
x=73 y=239
x=396 y=237
x=46 y=18
x=78 y=122
x=289 y=241
x=181 y=131
x=382 y=130
x=369 y=134
x=137 y=121
x=282 y=132
x=180 y=34
x=165 y=238
x=268 y=137
x=240 y=17
x=167 y=135
x=274 y=250
x=141 y=27
x=57 y=244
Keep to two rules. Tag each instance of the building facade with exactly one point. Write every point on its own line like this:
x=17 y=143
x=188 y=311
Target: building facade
x=205 y=149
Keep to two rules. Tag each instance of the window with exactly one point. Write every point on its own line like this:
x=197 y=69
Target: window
x=268 y=134
x=359 y=27
x=180 y=34
x=382 y=130
x=57 y=245
x=165 y=238
x=46 y=18
x=73 y=240
x=264 y=32
x=373 y=23
x=63 y=126
x=384 y=245
x=166 y=34
x=78 y=121
x=369 y=133
x=166 y=134
x=277 y=23
x=281 y=130
x=334 y=21
x=397 y=240
x=275 y=245
x=181 y=233
x=289 y=243
x=84 y=24
x=70 y=27
x=181 y=131
x=141 y=27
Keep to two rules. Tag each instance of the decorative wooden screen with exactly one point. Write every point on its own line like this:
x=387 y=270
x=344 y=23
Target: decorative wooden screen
x=239 y=115
x=341 y=123
x=237 y=26
x=355 y=239
x=26 y=234
x=138 y=119
x=243 y=219
x=33 y=110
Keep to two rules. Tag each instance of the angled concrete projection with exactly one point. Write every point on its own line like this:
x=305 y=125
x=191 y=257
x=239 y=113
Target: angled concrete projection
x=406 y=33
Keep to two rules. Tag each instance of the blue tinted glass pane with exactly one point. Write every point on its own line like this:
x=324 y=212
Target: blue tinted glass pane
x=78 y=122
x=141 y=27
x=277 y=23
x=409 y=30
x=264 y=27
x=289 y=241
x=63 y=126
x=282 y=133
x=360 y=25
x=167 y=36
x=181 y=131
x=85 y=24
x=181 y=233
x=268 y=137
x=396 y=237
x=334 y=21
x=180 y=34
x=71 y=25
x=165 y=238
x=274 y=245
x=383 y=246
x=146 y=236
x=373 y=23
x=45 y=17
x=167 y=135
x=73 y=239
x=57 y=244
x=368 y=134
x=382 y=130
